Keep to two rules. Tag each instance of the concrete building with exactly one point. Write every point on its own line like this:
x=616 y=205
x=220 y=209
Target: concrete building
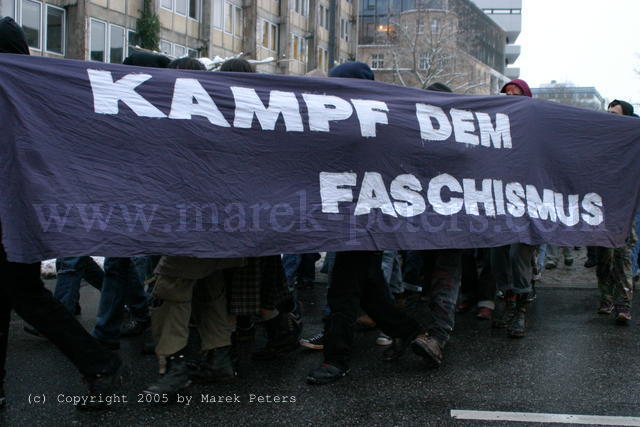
x=299 y=34
x=508 y=15
x=569 y=94
x=418 y=42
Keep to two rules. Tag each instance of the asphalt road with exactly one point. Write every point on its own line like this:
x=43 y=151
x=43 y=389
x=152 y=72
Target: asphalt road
x=573 y=361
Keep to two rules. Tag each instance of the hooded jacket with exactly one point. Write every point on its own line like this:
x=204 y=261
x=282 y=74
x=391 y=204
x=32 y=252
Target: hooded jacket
x=524 y=87
x=352 y=70
x=12 y=39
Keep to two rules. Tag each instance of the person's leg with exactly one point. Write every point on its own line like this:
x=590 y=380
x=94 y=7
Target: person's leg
x=5 y=317
x=486 y=288
x=69 y=275
x=307 y=268
x=567 y=253
x=136 y=298
x=553 y=257
x=502 y=268
x=291 y=263
x=622 y=284
x=93 y=274
x=112 y=300
x=522 y=257
x=604 y=266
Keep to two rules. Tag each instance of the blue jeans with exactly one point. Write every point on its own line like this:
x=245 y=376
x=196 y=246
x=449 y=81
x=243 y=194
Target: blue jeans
x=71 y=271
x=392 y=273
x=123 y=284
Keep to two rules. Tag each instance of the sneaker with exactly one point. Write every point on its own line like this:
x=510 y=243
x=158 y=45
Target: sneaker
x=606 y=307
x=316 y=342
x=103 y=385
x=623 y=314
x=429 y=349
x=326 y=374
x=537 y=274
x=550 y=265
x=215 y=366
x=134 y=327
x=384 y=340
x=177 y=378
x=484 y=313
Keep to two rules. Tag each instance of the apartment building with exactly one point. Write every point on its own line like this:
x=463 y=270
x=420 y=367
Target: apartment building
x=300 y=35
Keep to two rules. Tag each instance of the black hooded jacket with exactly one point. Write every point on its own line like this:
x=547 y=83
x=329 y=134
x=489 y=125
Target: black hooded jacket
x=12 y=39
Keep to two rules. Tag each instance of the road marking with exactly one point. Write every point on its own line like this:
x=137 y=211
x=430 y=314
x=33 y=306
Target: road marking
x=533 y=417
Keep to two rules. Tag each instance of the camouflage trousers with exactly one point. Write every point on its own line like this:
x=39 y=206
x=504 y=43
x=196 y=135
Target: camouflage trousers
x=614 y=275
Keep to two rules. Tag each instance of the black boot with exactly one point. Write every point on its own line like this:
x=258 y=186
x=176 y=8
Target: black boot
x=508 y=311
x=517 y=327
x=175 y=379
x=215 y=366
x=283 y=336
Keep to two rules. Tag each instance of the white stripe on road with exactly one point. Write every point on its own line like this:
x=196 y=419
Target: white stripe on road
x=533 y=417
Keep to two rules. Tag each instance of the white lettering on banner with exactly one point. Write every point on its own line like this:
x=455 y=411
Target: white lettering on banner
x=447 y=196
x=249 y=104
x=425 y=114
x=333 y=191
x=463 y=125
x=107 y=94
x=324 y=109
x=182 y=106
x=498 y=136
x=369 y=114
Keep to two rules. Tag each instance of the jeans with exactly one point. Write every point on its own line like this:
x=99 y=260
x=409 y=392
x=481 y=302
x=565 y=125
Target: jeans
x=512 y=267
x=357 y=282
x=123 y=284
x=71 y=271
x=392 y=272
x=22 y=290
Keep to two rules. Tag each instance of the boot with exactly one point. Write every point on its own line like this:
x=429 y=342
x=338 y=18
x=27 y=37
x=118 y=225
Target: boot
x=215 y=366
x=517 y=327
x=175 y=379
x=508 y=313
x=283 y=336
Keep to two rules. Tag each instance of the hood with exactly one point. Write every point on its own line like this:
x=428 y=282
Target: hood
x=352 y=70
x=524 y=87
x=12 y=39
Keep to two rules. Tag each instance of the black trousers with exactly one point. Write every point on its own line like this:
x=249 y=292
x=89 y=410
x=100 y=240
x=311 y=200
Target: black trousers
x=22 y=290
x=357 y=282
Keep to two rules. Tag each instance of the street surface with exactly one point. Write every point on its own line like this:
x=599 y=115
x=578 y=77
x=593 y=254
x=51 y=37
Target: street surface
x=572 y=361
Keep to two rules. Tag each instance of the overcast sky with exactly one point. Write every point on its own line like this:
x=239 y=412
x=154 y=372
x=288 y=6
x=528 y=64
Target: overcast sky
x=587 y=42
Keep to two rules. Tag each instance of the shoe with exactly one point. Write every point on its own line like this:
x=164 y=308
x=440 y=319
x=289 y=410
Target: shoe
x=568 y=262
x=283 y=336
x=384 y=340
x=550 y=265
x=509 y=311
x=177 y=377
x=537 y=274
x=32 y=331
x=517 y=327
x=397 y=350
x=590 y=263
x=484 y=313
x=606 y=307
x=429 y=349
x=531 y=296
x=134 y=327
x=326 y=374
x=365 y=322
x=104 y=385
x=315 y=342
x=623 y=314
x=215 y=366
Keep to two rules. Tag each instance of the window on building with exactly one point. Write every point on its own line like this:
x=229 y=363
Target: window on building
x=269 y=35
x=323 y=59
x=179 y=51
x=132 y=40
x=55 y=29
x=299 y=48
x=343 y=30
x=167 y=4
x=321 y=16
x=217 y=13
x=228 y=17
x=166 y=47
x=98 y=42
x=424 y=61
x=237 y=21
x=327 y=18
x=434 y=26
x=8 y=9
x=377 y=60
x=181 y=7
x=192 y=53
x=301 y=6
x=419 y=26
x=31 y=18
x=116 y=44
x=194 y=9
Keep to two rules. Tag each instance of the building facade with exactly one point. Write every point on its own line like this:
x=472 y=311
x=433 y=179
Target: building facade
x=569 y=94
x=419 y=42
x=300 y=35
x=508 y=15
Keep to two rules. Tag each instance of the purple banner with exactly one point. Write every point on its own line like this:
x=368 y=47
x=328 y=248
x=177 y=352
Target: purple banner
x=104 y=159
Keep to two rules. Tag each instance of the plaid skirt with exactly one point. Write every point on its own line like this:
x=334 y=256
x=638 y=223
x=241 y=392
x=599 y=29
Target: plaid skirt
x=260 y=284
